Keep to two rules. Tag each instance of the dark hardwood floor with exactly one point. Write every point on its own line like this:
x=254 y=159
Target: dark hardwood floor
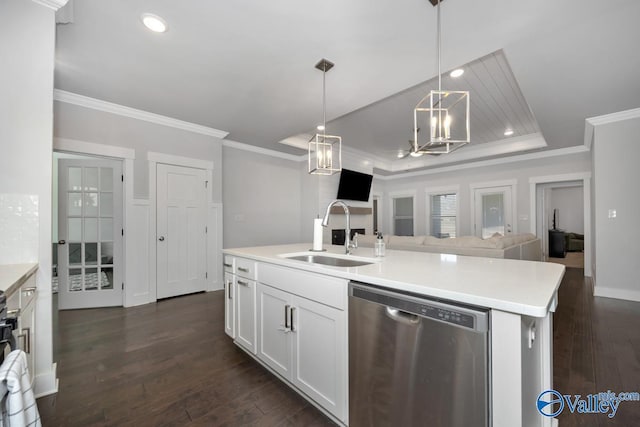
x=170 y=363
x=164 y=364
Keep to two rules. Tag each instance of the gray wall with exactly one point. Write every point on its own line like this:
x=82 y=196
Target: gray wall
x=521 y=171
x=88 y=125
x=616 y=172
x=570 y=204
x=261 y=199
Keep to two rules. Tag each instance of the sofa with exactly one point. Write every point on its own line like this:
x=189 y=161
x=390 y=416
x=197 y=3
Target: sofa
x=574 y=242
x=517 y=246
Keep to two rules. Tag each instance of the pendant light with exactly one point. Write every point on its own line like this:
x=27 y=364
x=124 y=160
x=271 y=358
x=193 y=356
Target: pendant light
x=325 y=151
x=444 y=112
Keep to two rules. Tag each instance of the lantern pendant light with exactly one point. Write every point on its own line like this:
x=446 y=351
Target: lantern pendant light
x=325 y=151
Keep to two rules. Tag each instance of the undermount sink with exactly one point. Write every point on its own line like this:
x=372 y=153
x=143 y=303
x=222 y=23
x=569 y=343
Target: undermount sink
x=328 y=260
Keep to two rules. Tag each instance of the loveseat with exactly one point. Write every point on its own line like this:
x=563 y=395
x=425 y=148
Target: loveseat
x=517 y=246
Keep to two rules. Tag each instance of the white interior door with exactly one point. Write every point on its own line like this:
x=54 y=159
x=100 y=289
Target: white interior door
x=90 y=251
x=493 y=211
x=181 y=230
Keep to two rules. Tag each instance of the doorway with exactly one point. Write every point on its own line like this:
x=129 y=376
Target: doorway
x=493 y=210
x=88 y=243
x=181 y=230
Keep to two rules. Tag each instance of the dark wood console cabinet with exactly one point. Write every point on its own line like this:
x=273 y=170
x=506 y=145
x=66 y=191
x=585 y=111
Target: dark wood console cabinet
x=557 y=247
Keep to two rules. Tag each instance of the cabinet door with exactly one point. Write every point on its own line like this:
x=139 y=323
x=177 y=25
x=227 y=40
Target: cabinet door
x=229 y=306
x=245 y=313
x=26 y=336
x=274 y=336
x=320 y=354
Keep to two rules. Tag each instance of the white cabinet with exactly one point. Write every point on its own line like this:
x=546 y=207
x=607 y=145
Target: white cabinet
x=240 y=301
x=229 y=305
x=305 y=342
x=246 y=313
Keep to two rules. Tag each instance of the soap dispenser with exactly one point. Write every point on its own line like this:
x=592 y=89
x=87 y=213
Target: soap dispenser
x=379 y=246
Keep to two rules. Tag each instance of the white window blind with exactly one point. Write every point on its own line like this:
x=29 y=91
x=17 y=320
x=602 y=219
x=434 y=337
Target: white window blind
x=443 y=215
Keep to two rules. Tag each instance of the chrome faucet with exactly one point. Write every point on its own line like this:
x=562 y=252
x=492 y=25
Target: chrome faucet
x=348 y=245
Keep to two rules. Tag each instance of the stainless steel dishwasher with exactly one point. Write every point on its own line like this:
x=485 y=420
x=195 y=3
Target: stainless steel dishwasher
x=415 y=361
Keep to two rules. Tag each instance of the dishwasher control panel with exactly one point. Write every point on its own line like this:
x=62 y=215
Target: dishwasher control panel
x=450 y=316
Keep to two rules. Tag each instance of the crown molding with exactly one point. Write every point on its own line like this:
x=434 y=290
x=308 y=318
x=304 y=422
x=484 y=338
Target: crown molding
x=592 y=122
x=265 y=151
x=492 y=162
x=121 y=110
x=51 y=4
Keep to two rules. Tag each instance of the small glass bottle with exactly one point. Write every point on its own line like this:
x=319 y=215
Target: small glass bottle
x=379 y=246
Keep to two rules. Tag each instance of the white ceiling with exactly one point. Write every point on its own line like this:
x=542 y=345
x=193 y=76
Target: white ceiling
x=247 y=66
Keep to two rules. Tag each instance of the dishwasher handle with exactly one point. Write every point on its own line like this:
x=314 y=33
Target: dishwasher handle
x=402 y=316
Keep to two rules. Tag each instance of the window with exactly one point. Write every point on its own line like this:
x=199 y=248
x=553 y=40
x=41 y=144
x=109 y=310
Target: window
x=443 y=215
x=403 y=216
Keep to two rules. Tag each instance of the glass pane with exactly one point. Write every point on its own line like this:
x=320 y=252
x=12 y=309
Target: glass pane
x=74 y=232
x=75 y=279
x=74 y=204
x=492 y=214
x=90 y=204
x=106 y=204
x=90 y=229
x=106 y=278
x=90 y=253
x=91 y=279
x=75 y=179
x=75 y=253
x=106 y=253
x=403 y=227
x=106 y=179
x=90 y=179
x=403 y=206
x=106 y=229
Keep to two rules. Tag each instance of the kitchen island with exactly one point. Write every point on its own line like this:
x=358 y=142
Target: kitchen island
x=520 y=297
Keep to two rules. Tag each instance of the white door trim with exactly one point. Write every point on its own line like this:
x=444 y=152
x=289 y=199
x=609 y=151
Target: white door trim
x=213 y=282
x=128 y=156
x=513 y=183
x=585 y=177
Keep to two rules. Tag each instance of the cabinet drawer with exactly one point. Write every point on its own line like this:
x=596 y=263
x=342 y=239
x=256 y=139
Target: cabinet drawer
x=331 y=291
x=246 y=268
x=229 y=264
x=28 y=291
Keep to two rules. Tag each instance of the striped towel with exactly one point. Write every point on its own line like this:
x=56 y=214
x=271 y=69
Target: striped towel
x=19 y=407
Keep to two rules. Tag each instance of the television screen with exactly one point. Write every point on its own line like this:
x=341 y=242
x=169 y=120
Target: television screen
x=354 y=185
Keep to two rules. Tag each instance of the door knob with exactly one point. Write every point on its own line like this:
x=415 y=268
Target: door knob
x=161 y=238
x=62 y=242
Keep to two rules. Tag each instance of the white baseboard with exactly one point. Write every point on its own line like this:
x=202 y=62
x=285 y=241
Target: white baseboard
x=625 y=294
x=46 y=384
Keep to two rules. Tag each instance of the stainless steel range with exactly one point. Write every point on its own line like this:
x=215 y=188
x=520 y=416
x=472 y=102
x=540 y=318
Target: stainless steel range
x=415 y=361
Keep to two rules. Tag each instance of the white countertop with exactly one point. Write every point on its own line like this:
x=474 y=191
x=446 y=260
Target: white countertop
x=14 y=275
x=522 y=287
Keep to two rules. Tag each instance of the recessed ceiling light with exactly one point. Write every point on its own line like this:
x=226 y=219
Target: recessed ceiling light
x=508 y=132
x=457 y=72
x=154 y=22
x=400 y=155
x=415 y=154
x=320 y=127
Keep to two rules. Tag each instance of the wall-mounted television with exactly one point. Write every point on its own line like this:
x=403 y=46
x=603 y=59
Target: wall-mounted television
x=354 y=185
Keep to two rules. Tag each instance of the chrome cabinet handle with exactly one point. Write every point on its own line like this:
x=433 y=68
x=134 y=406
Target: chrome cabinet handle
x=244 y=270
x=293 y=329
x=229 y=290
x=227 y=265
x=26 y=337
x=240 y=282
x=14 y=312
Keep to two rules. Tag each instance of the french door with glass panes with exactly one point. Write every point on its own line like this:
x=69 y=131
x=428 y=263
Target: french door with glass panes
x=90 y=232
x=492 y=211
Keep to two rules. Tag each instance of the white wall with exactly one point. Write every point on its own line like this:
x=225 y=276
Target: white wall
x=261 y=199
x=616 y=173
x=570 y=204
x=89 y=125
x=27 y=40
x=464 y=176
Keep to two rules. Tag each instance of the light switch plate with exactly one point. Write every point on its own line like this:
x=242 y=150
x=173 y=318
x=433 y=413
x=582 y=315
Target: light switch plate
x=612 y=213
